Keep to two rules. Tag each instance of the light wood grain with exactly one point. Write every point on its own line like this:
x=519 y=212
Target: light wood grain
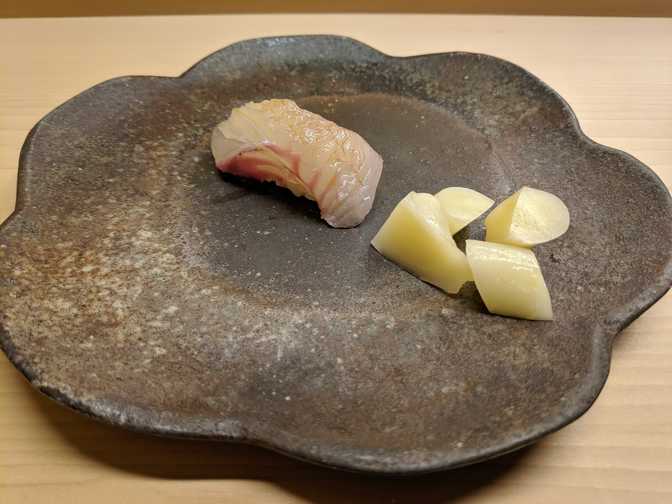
x=616 y=73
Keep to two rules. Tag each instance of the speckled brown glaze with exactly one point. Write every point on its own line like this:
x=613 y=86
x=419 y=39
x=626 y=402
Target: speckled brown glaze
x=140 y=286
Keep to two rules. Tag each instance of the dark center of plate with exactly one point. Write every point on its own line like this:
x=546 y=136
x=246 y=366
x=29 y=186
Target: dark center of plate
x=260 y=235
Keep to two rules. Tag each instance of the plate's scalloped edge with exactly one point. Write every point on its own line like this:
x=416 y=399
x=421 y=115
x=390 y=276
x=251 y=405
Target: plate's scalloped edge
x=349 y=459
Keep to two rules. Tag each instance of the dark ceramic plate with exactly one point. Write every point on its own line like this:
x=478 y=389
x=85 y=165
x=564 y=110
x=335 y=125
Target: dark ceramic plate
x=144 y=289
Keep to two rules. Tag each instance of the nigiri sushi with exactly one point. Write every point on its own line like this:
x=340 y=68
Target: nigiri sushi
x=276 y=140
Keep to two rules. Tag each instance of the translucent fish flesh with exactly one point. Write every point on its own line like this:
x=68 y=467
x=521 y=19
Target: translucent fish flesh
x=277 y=141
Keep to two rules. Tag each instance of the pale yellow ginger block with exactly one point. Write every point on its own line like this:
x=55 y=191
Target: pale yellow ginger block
x=462 y=206
x=417 y=237
x=527 y=218
x=509 y=280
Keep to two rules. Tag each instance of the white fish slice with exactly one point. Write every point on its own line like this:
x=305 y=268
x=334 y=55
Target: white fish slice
x=276 y=140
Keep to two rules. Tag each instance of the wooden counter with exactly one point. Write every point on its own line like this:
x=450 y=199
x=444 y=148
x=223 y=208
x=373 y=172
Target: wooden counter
x=617 y=75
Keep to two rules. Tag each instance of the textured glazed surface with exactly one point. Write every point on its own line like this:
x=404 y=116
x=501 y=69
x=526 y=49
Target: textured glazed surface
x=173 y=300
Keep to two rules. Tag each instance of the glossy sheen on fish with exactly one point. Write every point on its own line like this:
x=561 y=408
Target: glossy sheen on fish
x=276 y=140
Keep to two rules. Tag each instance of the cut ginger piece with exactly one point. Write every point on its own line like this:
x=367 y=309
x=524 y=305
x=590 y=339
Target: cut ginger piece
x=462 y=206
x=509 y=280
x=527 y=218
x=418 y=238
